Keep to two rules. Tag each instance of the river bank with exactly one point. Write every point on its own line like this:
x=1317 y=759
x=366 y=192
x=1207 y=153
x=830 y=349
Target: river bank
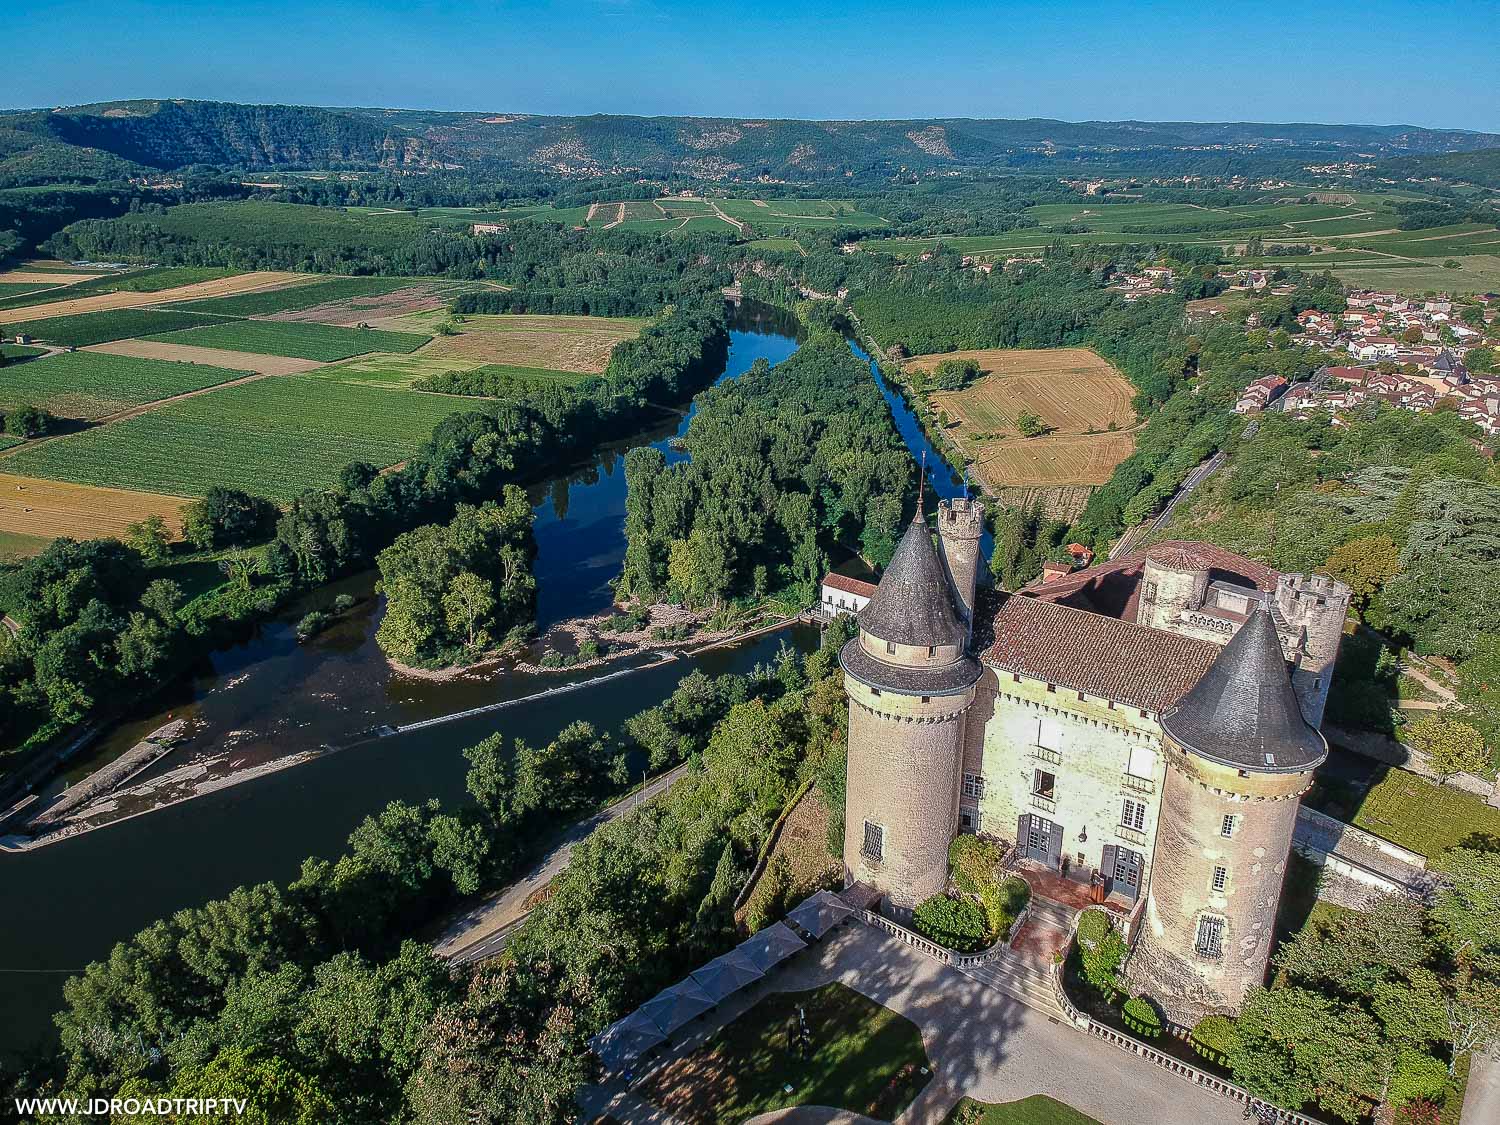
x=108 y=805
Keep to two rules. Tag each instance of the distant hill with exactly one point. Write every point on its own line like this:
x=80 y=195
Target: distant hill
x=99 y=141
x=1454 y=167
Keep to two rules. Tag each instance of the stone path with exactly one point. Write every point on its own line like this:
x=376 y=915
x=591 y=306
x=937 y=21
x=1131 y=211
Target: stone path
x=983 y=1042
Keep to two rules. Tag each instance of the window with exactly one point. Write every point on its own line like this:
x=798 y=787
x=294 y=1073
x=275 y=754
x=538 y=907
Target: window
x=966 y=820
x=931 y=651
x=1127 y=867
x=1210 y=940
x=973 y=786
x=1148 y=592
x=890 y=648
x=1052 y=687
x=1133 y=815
x=1044 y=784
x=1036 y=840
x=1231 y=822
x=1221 y=879
x=874 y=845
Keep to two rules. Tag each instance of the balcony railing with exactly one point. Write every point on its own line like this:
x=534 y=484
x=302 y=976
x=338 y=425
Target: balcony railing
x=1043 y=802
x=1042 y=754
x=1135 y=784
x=1131 y=835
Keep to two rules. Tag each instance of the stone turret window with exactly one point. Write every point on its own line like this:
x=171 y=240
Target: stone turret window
x=890 y=648
x=1231 y=822
x=1210 y=940
x=1221 y=879
x=874 y=843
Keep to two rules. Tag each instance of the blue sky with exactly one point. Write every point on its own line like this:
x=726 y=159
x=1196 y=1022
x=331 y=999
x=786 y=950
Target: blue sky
x=1330 y=61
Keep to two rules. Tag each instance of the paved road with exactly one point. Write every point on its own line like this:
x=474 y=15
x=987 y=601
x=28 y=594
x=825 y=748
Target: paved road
x=483 y=930
x=1482 y=1100
x=982 y=1042
x=1128 y=541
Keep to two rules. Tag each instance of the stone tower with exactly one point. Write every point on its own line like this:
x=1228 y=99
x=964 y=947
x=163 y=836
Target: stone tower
x=1239 y=757
x=960 y=528
x=910 y=683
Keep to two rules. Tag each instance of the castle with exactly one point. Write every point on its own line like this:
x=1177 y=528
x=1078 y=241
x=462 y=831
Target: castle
x=1146 y=726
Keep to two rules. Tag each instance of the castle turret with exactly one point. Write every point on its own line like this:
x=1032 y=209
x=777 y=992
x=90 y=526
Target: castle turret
x=960 y=529
x=1240 y=755
x=910 y=683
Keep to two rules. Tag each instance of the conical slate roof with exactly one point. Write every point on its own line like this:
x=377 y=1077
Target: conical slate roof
x=1243 y=712
x=913 y=605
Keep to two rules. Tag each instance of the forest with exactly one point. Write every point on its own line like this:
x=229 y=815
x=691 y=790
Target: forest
x=788 y=464
x=311 y=999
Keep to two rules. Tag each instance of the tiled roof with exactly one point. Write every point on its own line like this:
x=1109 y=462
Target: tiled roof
x=848 y=585
x=1097 y=655
x=913 y=604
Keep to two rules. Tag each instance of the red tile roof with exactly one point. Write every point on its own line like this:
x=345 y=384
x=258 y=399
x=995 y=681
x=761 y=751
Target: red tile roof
x=1097 y=655
x=849 y=585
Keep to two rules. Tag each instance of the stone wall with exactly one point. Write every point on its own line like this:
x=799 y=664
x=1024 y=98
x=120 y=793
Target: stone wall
x=905 y=758
x=1099 y=753
x=1189 y=847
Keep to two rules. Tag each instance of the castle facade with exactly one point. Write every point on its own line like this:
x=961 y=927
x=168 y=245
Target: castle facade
x=1146 y=727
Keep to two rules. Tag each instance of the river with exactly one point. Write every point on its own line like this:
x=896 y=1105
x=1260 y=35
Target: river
x=68 y=903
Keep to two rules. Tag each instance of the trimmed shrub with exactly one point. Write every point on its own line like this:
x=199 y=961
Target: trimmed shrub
x=343 y=603
x=1141 y=1017
x=312 y=624
x=1101 y=950
x=956 y=923
x=1214 y=1037
x=1416 y=1077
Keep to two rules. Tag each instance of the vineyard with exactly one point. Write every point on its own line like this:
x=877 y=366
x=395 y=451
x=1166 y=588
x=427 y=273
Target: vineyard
x=274 y=437
x=322 y=342
x=112 y=324
x=265 y=302
x=89 y=385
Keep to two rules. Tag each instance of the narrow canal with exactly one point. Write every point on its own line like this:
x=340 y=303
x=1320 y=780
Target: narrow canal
x=68 y=903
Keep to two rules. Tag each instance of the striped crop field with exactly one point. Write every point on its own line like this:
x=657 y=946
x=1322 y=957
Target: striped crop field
x=301 y=340
x=268 y=301
x=112 y=324
x=89 y=385
x=275 y=437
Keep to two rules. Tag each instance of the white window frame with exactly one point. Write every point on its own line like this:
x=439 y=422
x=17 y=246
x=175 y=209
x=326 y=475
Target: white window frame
x=974 y=786
x=1220 y=880
x=1133 y=814
x=1229 y=825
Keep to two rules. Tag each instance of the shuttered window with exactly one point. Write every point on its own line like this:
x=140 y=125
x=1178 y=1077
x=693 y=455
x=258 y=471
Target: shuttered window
x=874 y=845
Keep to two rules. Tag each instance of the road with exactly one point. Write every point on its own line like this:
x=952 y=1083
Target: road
x=1128 y=541
x=483 y=929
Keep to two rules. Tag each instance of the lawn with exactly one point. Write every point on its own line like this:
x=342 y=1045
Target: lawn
x=1409 y=810
x=275 y=437
x=323 y=342
x=268 y=301
x=858 y=1049
x=89 y=385
x=111 y=324
x=1035 y=1110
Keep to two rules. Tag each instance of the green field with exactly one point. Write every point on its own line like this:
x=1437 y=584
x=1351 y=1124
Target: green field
x=322 y=342
x=264 y=302
x=20 y=351
x=15 y=288
x=382 y=369
x=89 y=385
x=113 y=324
x=673 y=215
x=274 y=437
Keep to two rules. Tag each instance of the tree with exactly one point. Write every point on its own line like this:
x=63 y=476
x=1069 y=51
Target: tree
x=469 y=600
x=1364 y=565
x=1412 y=335
x=29 y=422
x=1467 y=909
x=1472 y=1007
x=149 y=538
x=1030 y=424
x=1450 y=745
x=226 y=516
